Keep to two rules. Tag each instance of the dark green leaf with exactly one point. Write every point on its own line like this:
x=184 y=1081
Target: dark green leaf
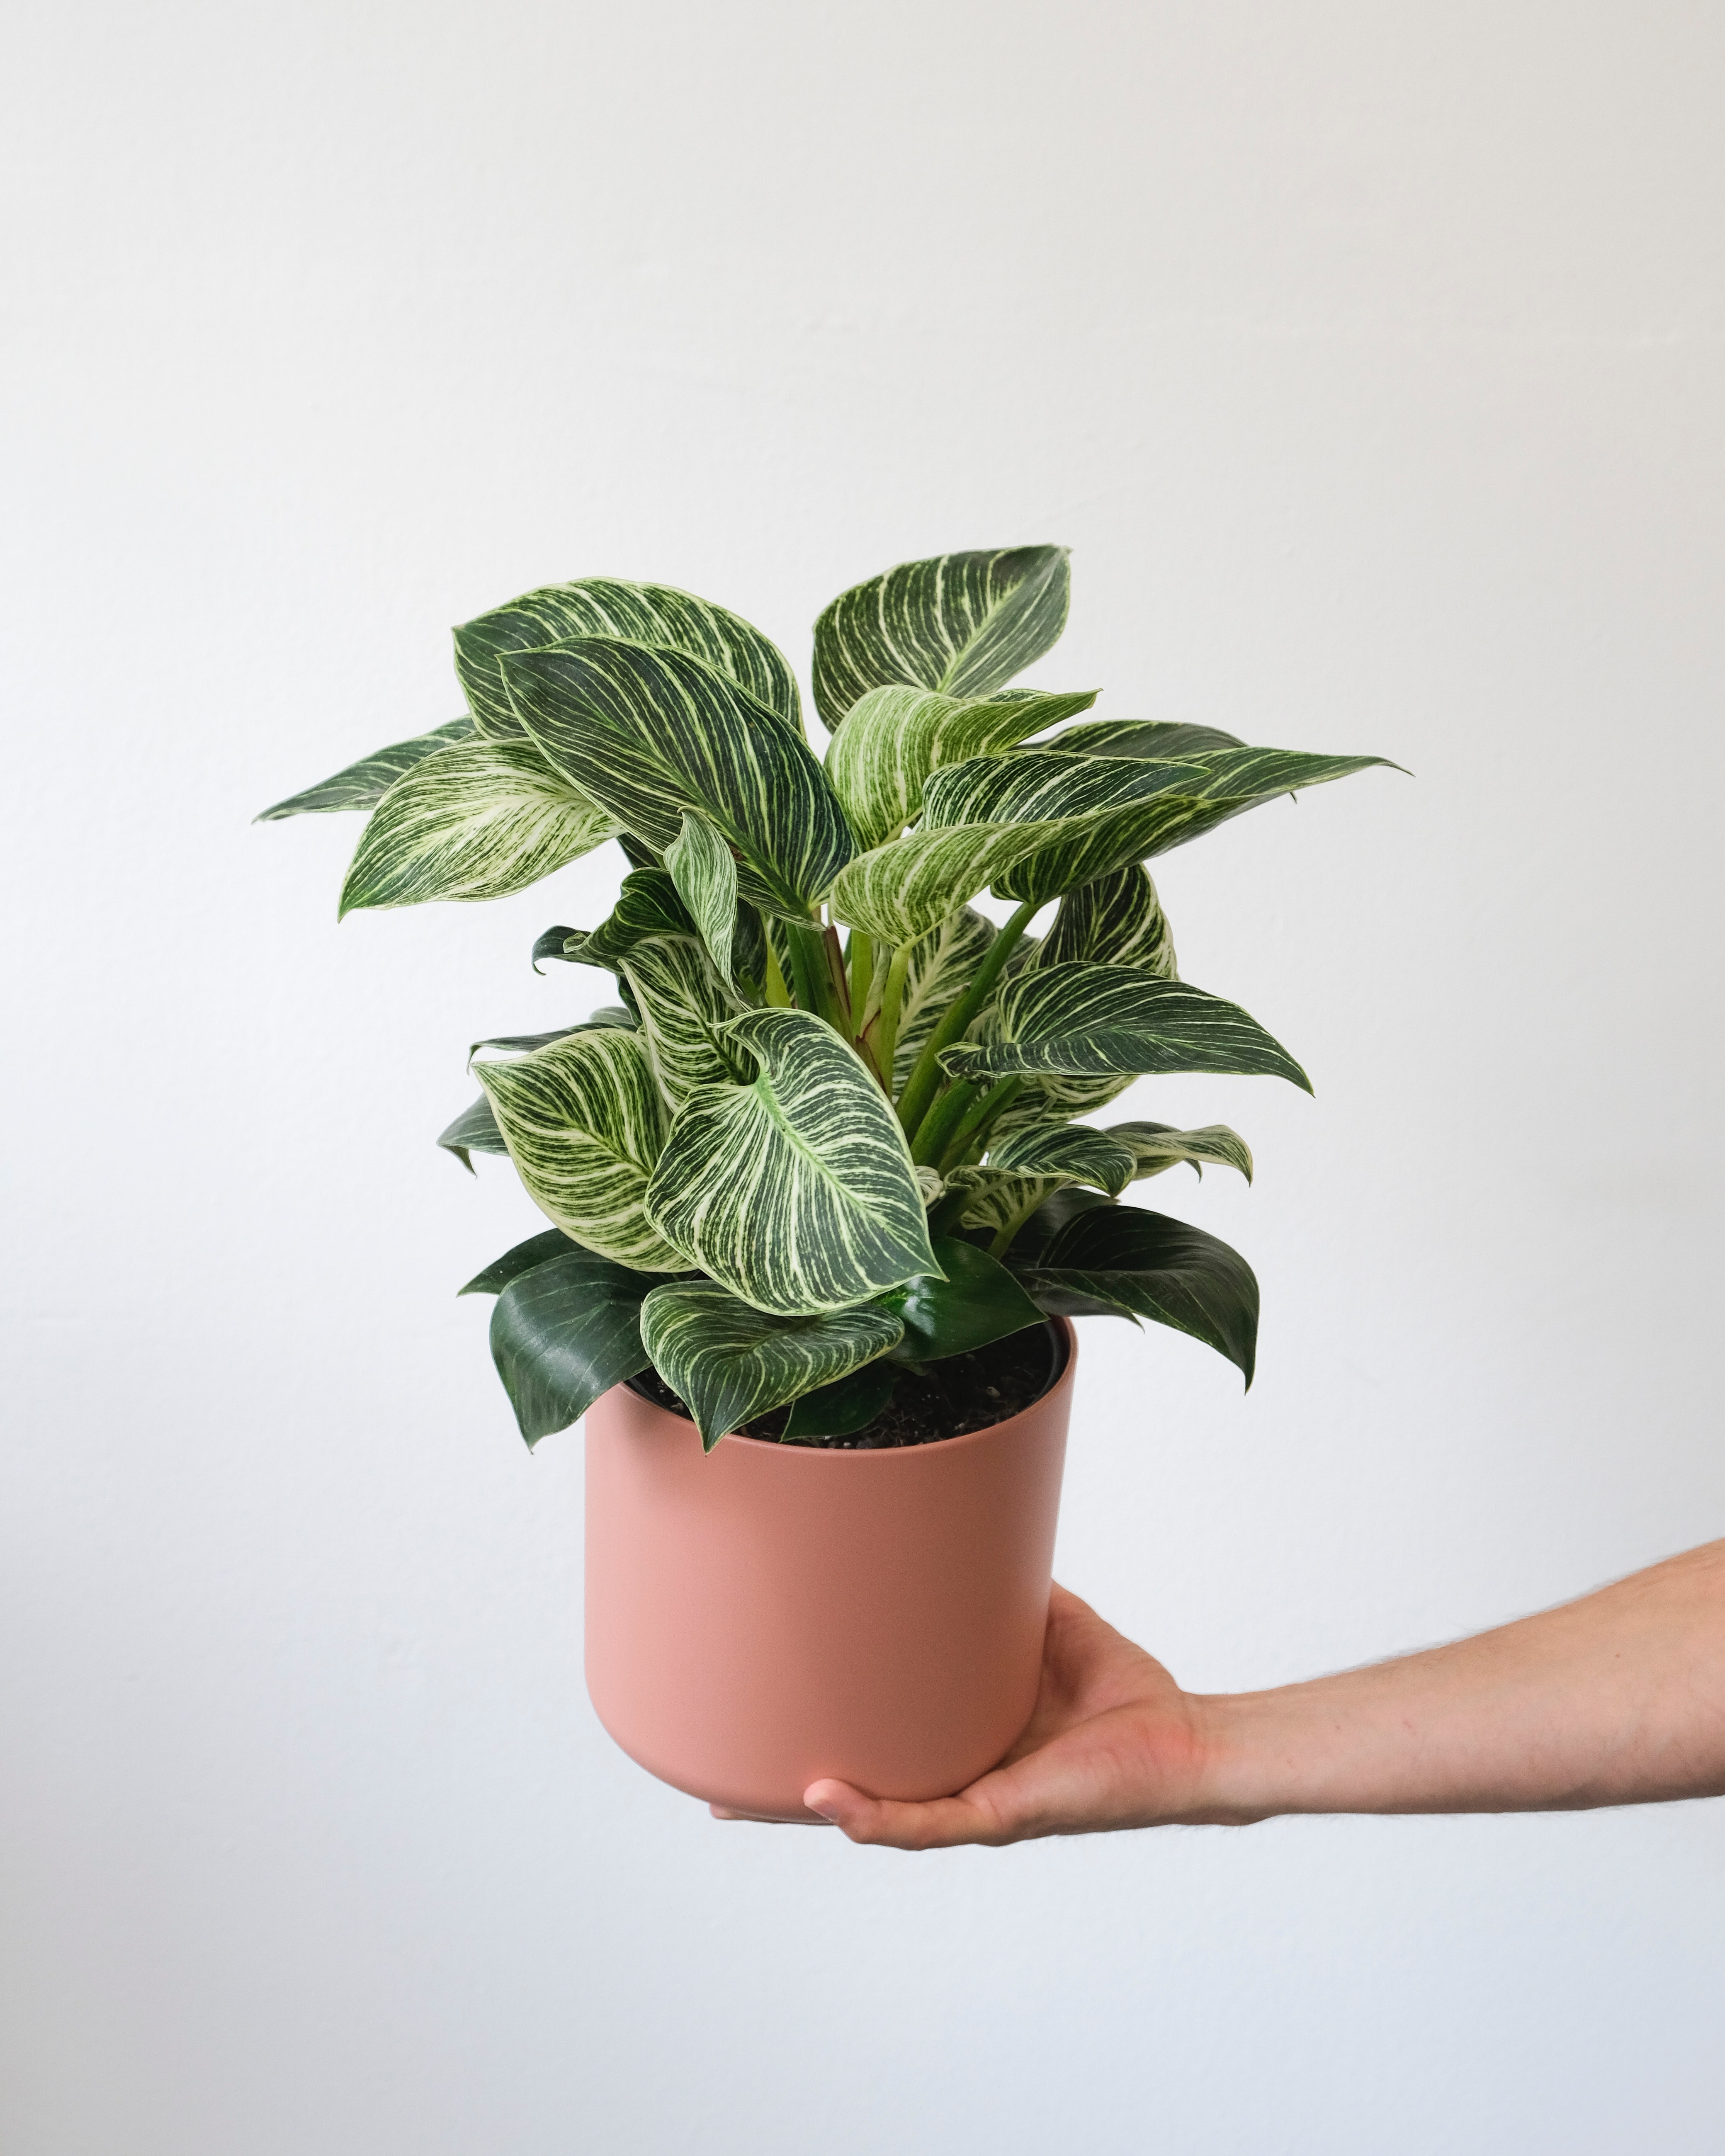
x=978 y=1302
x=536 y=1250
x=474 y=1130
x=850 y=1404
x=551 y=946
x=1116 y=1261
x=963 y=624
x=565 y=1332
x=1114 y=920
x=362 y=785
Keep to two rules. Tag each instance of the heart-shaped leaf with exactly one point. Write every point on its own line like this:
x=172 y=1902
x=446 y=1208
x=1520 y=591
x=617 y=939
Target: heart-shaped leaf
x=653 y=614
x=963 y=624
x=686 y=1010
x=1116 y=1261
x=894 y=738
x=362 y=785
x=477 y=820
x=730 y=1363
x=654 y=734
x=585 y=1123
x=563 y=1332
x=979 y=1301
x=796 y=1191
x=1093 y=1020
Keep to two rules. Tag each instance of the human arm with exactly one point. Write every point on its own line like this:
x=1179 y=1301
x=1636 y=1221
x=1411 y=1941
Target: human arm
x=1615 y=1699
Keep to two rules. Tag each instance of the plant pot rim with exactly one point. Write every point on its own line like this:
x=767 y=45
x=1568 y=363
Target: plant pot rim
x=1062 y=1328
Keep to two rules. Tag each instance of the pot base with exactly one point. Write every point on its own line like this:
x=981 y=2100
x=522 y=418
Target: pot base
x=766 y=1615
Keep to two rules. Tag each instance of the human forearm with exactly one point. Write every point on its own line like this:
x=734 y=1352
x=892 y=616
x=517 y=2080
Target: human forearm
x=1616 y=1699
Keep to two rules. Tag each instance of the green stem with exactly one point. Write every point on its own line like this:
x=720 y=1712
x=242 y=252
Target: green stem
x=946 y=1213
x=937 y=1124
x=976 y=1121
x=862 y=974
x=892 y=997
x=839 y=981
x=925 y=1078
x=809 y=965
x=778 y=996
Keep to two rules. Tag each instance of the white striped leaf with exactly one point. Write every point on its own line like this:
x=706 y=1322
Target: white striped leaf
x=880 y=759
x=729 y=1363
x=653 y=614
x=1116 y=1261
x=1235 y=780
x=1047 y=1097
x=998 y=1198
x=1101 y=1021
x=1159 y=738
x=362 y=785
x=523 y=1043
x=938 y=971
x=1114 y=920
x=647 y=904
x=796 y=1191
x=564 y=1332
x=963 y=624
x=1077 y=817
x=704 y=869
x=1076 y=1150
x=1155 y=1146
x=478 y=820
x=585 y=1122
x=686 y=1008
x=655 y=734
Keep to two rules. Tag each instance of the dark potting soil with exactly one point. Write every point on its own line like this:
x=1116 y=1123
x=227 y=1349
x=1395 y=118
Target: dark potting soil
x=942 y=1399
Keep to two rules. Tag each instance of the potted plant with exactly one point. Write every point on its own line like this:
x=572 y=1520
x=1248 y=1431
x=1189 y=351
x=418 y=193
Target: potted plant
x=823 y=1191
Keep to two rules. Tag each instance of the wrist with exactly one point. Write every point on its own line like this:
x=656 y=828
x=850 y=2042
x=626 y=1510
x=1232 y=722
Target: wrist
x=1247 y=1763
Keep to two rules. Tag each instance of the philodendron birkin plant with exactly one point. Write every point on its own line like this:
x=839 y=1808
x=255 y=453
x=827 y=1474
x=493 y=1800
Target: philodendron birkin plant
x=834 y=1123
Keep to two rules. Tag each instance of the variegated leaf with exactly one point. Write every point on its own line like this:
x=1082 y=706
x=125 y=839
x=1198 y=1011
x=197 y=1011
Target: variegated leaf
x=647 y=904
x=655 y=734
x=362 y=785
x=524 y=1044
x=1117 y=1260
x=704 y=869
x=1058 y=1097
x=585 y=1123
x=899 y=892
x=685 y=1009
x=1155 y=1146
x=652 y=614
x=1158 y=738
x=940 y=968
x=474 y=1130
x=929 y=1182
x=479 y=820
x=796 y=1191
x=894 y=738
x=998 y=1197
x=1076 y=1150
x=1097 y=1020
x=1235 y=780
x=963 y=624
x=729 y=1361
x=1114 y=920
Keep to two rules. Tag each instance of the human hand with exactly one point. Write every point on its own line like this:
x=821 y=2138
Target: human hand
x=1113 y=1742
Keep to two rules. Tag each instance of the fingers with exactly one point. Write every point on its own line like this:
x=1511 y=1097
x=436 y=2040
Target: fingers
x=945 y=1823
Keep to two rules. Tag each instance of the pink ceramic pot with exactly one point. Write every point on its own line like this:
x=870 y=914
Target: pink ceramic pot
x=763 y=1615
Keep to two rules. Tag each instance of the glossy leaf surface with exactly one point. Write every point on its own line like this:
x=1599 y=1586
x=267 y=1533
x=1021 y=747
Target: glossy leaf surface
x=565 y=1332
x=362 y=785
x=796 y=1191
x=963 y=624
x=477 y=820
x=978 y=1302
x=730 y=1363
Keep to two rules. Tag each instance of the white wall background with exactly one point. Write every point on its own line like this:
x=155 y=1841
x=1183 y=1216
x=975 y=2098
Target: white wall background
x=1369 y=358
